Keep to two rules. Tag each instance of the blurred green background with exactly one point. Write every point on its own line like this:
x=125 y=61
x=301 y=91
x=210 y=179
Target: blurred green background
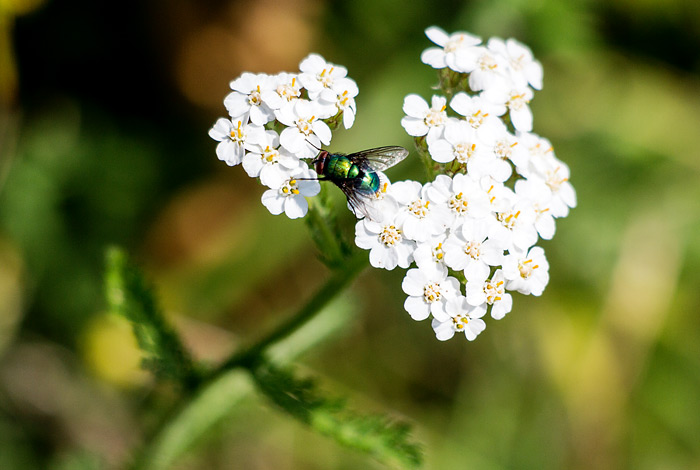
x=105 y=109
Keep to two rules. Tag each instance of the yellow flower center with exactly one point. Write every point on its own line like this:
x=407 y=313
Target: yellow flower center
x=494 y=291
x=458 y=203
x=473 y=250
x=526 y=268
x=237 y=134
x=419 y=208
x=390 y=235
x=435 y=117
x=290 y=188
x=508 y=219
x=431 y=292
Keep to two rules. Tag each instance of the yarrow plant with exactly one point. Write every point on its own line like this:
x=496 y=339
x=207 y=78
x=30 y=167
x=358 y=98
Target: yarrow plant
x=468 y=237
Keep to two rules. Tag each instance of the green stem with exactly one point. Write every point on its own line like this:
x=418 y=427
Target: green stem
x=332 y=288
x=428 y=162
x=324 y=232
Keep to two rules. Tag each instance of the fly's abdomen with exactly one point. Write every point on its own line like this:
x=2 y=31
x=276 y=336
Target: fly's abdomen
x=369 y=183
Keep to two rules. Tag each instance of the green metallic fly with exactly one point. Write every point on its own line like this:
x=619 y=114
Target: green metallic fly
x=359 y=175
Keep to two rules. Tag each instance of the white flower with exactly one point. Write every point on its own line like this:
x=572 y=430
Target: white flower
x=345 y=92
x=459 y=141
x=540 y=196
x=464 y=318
x=492 y=292
x=527 y=273
x=470 y=250
x=444 y=56
x=319 y=76
x=515 y=227
x=270 y=162
x=289 y=194
x=428 y=292
x=235 y=137
x=419 y=218
x=305 y=131
x=463 y=197
x=501 y=198
x=523 y=68
x=430 y=254
x=539 y=151
x=516 y=101
x=247 y=98
x=422 y=119
x=388 y=247
x=485 y=68
x=481 y=114
x=508 y=147
x=556 y=176
x=286 y=89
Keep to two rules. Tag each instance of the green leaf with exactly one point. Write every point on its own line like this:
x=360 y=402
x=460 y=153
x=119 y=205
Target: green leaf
x=129 y=295
x=377 y=435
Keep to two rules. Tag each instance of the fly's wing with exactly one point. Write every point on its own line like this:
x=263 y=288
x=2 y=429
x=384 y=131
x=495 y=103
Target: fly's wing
x=359 y=201
x=378 y=159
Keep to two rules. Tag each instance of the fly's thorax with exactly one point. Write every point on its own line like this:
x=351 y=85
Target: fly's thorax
x=340 y=166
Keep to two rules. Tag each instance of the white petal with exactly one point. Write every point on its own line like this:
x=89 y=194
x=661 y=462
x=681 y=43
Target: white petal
x=435 y=57
x=348 y=118
x=546 y=227
x=236 y=104
x=437 y=309
x=309 y=188
x=312 y=63
x=417 y=308
x=441 y=151
x=221 y=129
x=502 y=307
x=260 y=115
x=415 y=106
x=462 y=104
x=286 y=115
x=437 y=35
x=229 y=152
x=476 y=270
x=383 y=257
x=522 y=119
x=414 y=282
x=252 y=164
x=323 y=132
x=414 y=127
x=295 y=207
x=475 y=293
x=475 y=326
x=273 y=202
x=443 y=330
x=292 y=139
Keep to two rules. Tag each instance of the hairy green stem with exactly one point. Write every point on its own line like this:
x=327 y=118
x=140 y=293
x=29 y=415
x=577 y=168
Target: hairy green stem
x=324 y=232
x=225 y=385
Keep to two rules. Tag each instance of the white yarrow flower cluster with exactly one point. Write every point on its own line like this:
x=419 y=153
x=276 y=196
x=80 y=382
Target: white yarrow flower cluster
x=277 y=121
x=471 y=232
